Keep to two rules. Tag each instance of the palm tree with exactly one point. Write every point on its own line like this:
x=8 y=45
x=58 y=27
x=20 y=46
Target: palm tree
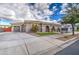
x=72 y=15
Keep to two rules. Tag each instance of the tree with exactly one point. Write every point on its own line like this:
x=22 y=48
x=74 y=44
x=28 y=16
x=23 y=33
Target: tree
x=72 y=15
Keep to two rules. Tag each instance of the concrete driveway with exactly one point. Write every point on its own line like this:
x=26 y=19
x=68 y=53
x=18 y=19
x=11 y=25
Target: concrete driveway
x=12 y=43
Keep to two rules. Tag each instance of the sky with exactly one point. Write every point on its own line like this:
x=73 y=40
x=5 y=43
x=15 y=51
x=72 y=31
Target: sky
x=54 y=7
x=5 y=21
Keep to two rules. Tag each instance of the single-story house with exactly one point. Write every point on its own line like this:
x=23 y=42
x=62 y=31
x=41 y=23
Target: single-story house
x=41 y=25
x=67 y=28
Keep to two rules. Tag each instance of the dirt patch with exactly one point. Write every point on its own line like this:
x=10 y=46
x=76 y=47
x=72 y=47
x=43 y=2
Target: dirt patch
x=67 y=37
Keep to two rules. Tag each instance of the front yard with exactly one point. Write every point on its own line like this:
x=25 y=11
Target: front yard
x=45 y=33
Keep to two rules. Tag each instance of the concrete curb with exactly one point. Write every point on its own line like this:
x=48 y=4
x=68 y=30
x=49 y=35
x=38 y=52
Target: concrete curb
x=67 y=43
x=52 y=51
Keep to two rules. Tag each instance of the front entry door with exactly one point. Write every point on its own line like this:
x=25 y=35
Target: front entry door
x=17 y=29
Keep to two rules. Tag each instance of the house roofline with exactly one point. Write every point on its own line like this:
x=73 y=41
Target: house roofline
x=36 y=21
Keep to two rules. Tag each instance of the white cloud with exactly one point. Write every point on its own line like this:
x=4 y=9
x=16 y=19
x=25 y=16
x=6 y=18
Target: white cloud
x=59 y=19
x=54 y=8
x=55 y=21
x=41 y=11
x=6 y=11
x=22 y=11
x=63 y=11
x=64 y=5
x=48 y=12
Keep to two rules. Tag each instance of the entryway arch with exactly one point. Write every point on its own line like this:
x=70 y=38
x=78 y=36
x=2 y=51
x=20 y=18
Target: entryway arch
x=47 y=28
x=53 y=28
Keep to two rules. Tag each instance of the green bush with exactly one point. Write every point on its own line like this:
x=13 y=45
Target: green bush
x=34 y=28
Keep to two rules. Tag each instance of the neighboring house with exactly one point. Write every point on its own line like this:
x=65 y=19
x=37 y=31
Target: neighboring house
x=67 y=28
x=5 y=28
x=77 y=25
x=42 y=26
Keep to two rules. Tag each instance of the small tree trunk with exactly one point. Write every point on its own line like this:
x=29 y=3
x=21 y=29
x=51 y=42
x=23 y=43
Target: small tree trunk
x=72 y=29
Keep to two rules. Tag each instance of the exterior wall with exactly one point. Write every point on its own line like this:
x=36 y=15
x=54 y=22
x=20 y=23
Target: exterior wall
x=43 y=28
x=56 y=28
x=39 y=28
x=28 y=27
x=12 y=28
x=69 y=27
x=50 y=28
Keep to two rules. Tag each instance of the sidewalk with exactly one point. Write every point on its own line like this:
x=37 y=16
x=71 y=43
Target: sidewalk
x=57 y=45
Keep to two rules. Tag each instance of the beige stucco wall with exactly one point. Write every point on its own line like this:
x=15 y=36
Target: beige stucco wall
x=51 y=28
x=28 y=27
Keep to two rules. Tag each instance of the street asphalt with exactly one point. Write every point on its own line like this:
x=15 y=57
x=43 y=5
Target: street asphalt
x=70 y=50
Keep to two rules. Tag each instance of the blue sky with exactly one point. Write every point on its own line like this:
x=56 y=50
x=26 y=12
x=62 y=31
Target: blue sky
x=54 y=7
x=5 y=21
x=56 y=13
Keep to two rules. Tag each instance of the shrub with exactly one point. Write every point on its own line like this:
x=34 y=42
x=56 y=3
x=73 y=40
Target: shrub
x=34 y=28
